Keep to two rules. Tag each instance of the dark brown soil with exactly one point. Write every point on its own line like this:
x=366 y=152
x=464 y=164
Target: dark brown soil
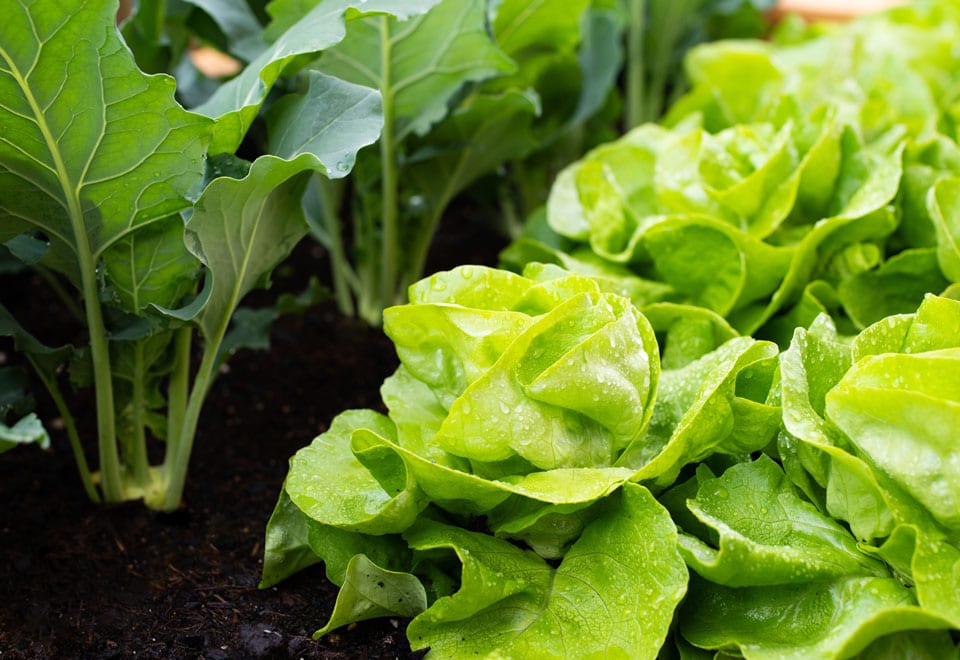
x=82 y=581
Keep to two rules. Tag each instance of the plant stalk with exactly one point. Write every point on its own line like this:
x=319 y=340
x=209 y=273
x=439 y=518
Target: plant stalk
x=141 y=465
x=338 y=259
x=178 y=386
x=388 y=181
x=70 y=426
x=110 y=474
x=636 y=64
x=99 y=347
x=178 y=453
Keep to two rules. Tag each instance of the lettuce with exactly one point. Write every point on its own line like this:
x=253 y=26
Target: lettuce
x=710 y=410
x=814 y=172
x=543 y=481
x=732 y=497
x=516 y=402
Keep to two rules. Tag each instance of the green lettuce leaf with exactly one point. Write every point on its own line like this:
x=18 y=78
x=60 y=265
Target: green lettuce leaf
x=613 y=593
x=943 y=201
x=705 y=407
x=763 y=533
x=899 y=412
x=318 y=471
x=370 y=592
x=823 y=619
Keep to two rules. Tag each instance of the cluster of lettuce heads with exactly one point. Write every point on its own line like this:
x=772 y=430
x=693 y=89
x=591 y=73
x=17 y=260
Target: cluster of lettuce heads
x=714 y=405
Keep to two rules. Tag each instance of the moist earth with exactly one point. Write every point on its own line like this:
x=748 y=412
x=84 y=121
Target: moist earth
x=79 y=580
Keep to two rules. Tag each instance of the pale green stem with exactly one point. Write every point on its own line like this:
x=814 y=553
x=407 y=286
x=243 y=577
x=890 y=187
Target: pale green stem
x=388 y=182
x=338 y=259
x=635 y=64
x=178 y=387
x=141 y=465
x=178 y=454
x=110 y=476
x=70 y=426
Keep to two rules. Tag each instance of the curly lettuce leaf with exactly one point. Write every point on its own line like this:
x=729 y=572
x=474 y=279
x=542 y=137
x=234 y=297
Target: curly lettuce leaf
x=831 y=450
x=900 y=413
x=369 y=592
x=613 y=593
x=564 y=377
x=822 y=619
x=707 y=407
x=318 y=472
x=761 y=532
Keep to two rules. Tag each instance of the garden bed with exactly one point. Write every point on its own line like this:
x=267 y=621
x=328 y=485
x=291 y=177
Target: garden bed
x=80 y=580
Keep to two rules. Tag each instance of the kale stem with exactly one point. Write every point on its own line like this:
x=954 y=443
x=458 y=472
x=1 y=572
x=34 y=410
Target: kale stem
x=178 y=386
x=110 y=474
x=70 y=426
x=178 y=454
x=636 y=64
x=339 y=265
x=388 y=182
x=141 y=467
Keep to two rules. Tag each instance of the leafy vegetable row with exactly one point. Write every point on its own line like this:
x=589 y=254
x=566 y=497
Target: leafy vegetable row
x=816 y=172
x=149 y=226
x=714 y=410
x=542 y=482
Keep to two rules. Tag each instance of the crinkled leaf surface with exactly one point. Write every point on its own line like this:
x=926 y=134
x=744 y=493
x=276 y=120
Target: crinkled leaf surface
x=546 y=372
x=823 y=619
x=461 y=491
x=329 y=484
x=767 y=533
x=901 y=412
x=612 y=595
x=699 y=412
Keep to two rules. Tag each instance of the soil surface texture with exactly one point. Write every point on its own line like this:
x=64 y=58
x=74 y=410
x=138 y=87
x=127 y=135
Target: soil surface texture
x=79 y=580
